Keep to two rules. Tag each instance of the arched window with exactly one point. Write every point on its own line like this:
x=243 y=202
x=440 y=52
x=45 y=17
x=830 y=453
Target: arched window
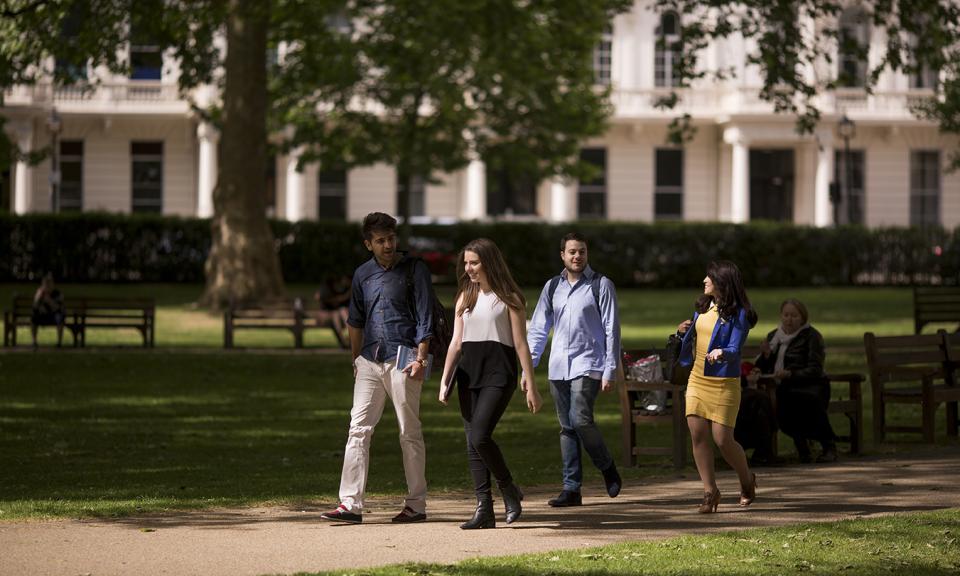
x=854 y=45
x=667 y=51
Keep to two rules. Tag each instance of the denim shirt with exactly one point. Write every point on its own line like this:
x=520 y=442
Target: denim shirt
x=586 y=340
x=728 y=335
x=379 y=306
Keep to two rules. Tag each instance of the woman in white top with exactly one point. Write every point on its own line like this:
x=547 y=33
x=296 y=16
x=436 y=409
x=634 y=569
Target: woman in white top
x=489 y=334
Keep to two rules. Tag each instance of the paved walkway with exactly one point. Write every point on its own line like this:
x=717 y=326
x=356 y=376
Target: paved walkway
x=282 y=540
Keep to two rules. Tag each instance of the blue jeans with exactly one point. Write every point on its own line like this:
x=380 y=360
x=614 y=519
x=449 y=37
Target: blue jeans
x=574 y=400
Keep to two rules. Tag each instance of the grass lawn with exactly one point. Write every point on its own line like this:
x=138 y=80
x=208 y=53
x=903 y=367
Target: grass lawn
x=103 y=432
x=647 y=316
x=917 y=544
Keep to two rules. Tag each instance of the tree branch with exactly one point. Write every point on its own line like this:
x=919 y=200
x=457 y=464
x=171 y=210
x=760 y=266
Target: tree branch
x=8 y=12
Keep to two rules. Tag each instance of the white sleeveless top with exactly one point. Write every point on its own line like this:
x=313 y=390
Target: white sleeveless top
x=488 y=321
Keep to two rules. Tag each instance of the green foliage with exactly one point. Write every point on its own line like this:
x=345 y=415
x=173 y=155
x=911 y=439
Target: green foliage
x=424 y=85
x=94 y=247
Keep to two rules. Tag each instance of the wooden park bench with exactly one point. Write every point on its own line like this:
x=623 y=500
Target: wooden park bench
x=849 y=405
x=935 y=304
x=633 y=413
x=287 y=314
x=916 y=369
x=87 y=312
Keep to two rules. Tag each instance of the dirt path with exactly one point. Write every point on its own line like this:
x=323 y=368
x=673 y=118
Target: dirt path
x=253 y=541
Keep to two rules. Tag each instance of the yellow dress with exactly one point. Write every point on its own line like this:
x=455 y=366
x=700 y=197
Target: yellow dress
x=711 y=397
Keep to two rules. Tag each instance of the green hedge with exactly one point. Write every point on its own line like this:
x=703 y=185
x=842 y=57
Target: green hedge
x=95 y=247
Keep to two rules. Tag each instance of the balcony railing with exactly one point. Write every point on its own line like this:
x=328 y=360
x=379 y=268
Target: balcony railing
x=121 y=92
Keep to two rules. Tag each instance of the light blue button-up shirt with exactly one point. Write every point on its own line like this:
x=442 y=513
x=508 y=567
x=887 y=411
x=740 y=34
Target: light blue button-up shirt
x=586 y=340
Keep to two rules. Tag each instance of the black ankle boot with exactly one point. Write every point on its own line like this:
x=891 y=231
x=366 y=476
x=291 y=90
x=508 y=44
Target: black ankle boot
x=483 y=517
x=511 y=500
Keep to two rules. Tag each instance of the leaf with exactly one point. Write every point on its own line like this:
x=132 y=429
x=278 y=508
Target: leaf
x=148 y=529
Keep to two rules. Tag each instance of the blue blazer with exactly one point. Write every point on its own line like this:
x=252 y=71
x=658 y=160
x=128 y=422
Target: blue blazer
x=728 y=335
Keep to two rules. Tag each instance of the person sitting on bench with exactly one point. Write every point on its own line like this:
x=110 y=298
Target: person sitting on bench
x=794 y=354
x=47 y=309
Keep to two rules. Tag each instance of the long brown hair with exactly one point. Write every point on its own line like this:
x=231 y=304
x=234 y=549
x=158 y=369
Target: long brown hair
x=498 y=275
x=728 y=292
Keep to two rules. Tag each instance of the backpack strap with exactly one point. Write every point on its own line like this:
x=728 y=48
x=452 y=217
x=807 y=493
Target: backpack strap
x=555 y=281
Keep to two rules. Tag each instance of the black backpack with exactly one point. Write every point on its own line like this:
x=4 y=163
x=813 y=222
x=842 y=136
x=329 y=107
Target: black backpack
x=442 y=324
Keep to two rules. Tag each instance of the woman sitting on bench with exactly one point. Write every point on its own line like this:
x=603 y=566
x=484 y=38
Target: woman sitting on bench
x=793 y=355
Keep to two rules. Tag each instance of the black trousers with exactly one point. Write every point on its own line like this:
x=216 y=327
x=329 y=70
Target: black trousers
x=802 y=410
x=481 y=409
x=756 y=422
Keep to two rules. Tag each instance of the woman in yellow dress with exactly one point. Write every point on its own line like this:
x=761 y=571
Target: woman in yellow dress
x=721 y=323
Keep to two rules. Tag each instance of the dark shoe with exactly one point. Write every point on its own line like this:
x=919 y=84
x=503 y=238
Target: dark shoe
x=342 y=514
x=613 y=481
x=566 y=498
x=829 y=454
x=511 y=501
x=710 y=502
x=483 y=517
x=749 y=493
x=408 y=516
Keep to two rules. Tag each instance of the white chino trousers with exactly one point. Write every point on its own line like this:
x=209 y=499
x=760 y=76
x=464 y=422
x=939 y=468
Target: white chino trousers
x=374 y=383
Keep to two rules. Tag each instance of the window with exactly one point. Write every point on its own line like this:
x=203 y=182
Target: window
x=854 y=44
x=925 y=188
x=332 y=195
x=667 y=51
x=146 y=55
x=603 y=57
x=668 y=192
x=510 y=193
x=592 y=194
x=417 y=195
x=855 y=196
x=68 y=66
x=147 y=158
x=71 y=175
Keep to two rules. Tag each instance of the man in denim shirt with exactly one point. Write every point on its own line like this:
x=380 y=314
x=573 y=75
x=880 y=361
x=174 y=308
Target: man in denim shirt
x=381 y=320
x=583 y=361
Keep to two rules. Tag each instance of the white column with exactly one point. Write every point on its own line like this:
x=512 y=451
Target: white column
x=23 y=180
x=209 y=137
x=475 y=197
x=559 y=200
x=821 y=197
x=740 y=176
x=296 y=188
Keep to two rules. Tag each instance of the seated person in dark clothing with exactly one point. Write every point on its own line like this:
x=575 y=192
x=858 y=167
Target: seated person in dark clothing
x=756 y=421
x=794 y=354
x=47 y=309
x=334 y=299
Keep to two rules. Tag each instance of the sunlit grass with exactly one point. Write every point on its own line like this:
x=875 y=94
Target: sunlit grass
x=918 y=544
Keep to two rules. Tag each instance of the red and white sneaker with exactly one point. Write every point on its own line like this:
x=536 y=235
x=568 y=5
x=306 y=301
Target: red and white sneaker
x=343 y=514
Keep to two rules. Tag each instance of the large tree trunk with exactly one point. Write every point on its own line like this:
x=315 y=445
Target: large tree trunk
x=243 y=264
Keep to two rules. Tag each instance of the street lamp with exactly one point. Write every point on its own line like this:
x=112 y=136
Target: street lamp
x=847 y=129
x=55 y=124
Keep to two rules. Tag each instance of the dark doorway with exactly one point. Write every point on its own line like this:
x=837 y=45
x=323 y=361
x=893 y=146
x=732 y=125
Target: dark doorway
x=5 y=187
x=771 y=185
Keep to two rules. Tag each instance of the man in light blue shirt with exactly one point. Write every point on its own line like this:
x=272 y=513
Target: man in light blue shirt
x=580 y=306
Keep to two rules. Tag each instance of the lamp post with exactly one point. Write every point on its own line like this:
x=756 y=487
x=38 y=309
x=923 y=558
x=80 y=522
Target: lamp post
x=847 y=129
x=55 y=125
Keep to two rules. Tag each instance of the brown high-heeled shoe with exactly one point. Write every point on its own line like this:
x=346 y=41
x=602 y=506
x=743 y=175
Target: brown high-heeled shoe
x=749 y=493
x=710 y=502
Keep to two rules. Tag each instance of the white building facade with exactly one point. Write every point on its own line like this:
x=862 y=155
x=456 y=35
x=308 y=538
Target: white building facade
x=133 y=145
